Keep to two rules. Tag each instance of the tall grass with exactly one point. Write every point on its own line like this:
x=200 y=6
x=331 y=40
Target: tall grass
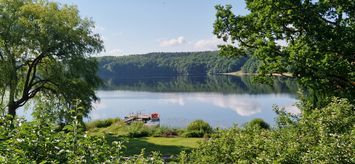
x=101 y=123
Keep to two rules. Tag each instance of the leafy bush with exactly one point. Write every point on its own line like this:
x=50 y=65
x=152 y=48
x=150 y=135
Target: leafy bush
x=318 y=136
x=36 y=142
x=193 y=133
x=197 y=128
x=258 y=123
x=165 y=132
x=137 y=129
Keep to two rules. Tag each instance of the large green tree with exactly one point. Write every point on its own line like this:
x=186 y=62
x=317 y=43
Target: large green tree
x=313 y=40
x=44 y=56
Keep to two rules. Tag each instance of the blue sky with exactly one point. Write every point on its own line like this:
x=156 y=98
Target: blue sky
x=143 y=26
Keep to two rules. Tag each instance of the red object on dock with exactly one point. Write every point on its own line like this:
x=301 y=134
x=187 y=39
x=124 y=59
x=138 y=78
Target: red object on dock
x=155 y=116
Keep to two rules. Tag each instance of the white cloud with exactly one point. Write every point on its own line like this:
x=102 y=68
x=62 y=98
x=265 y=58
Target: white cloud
x=172 y=42
x=115 y=51
x=99 y=29
x=208 y=44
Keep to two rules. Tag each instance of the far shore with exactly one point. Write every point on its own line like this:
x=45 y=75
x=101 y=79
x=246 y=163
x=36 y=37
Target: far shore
x=241 y=73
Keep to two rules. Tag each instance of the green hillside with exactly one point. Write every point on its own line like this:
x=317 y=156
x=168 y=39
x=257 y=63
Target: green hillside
x=163 y=64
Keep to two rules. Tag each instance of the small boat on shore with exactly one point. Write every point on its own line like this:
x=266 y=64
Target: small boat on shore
x=152 y=119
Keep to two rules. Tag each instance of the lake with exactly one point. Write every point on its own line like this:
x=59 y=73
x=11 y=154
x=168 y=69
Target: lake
x=220 y=100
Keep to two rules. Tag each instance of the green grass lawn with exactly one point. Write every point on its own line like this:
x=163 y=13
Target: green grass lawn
x=166 y=146
x=117 y=129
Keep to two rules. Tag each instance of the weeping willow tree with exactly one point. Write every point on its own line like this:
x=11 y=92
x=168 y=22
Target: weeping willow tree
x=45 y=50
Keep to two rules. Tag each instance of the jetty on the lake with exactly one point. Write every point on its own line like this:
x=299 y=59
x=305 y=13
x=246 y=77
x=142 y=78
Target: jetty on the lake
x=148 y=119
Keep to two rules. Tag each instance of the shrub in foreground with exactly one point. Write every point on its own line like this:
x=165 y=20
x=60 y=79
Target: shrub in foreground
x=318 y=136
x=38 y=142
x=198 y=128
x=166 y=132
x=258 y=123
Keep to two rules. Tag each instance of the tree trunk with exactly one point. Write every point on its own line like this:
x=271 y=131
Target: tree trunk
x=12 y=109
x=12 y=86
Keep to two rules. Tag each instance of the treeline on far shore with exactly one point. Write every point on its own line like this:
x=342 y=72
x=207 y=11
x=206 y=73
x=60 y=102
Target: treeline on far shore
x=167 y=64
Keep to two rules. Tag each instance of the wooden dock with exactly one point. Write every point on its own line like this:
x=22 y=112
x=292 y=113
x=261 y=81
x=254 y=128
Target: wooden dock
x=149 y=120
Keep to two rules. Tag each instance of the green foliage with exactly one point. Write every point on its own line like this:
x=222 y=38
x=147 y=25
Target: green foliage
x=116 y=127
x=257 y=123
x=193 y=134
x=101 y=123
x=167 y=146
x=44 y=49
x=141 y=158
x=313 y=40
x=183 y=157
x=198 y=128
x=138 y=129
x=39 y=142
x=166 y=132
x=251 y=65
x=320 y=136
x=167 y=64
x=199 y=125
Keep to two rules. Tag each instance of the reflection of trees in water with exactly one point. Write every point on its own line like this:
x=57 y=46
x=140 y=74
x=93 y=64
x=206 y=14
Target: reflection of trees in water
x=221 y=84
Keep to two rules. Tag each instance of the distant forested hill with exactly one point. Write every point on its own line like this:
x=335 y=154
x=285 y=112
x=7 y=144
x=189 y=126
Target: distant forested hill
x=164 y=64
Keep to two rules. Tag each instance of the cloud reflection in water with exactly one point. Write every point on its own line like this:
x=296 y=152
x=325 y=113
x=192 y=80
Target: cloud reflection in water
x=242 y=106
x=178 y=109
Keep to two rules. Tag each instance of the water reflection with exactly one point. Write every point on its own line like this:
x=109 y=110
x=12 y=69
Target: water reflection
x=242 y=105
x=220 y=100
x=219 y=84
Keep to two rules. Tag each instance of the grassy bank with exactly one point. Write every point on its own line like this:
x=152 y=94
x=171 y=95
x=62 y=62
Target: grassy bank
x=166 y=146
x=167 y=141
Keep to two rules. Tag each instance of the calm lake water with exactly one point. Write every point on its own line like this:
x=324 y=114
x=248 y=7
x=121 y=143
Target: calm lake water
x=220 y=100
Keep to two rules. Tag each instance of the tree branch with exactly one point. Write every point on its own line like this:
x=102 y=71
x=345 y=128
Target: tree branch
x=1 y=55
x=244 y=44
x=30 y=94
x=31 y=73
x=344 y=81
x=30 y=81
x=328 y=21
